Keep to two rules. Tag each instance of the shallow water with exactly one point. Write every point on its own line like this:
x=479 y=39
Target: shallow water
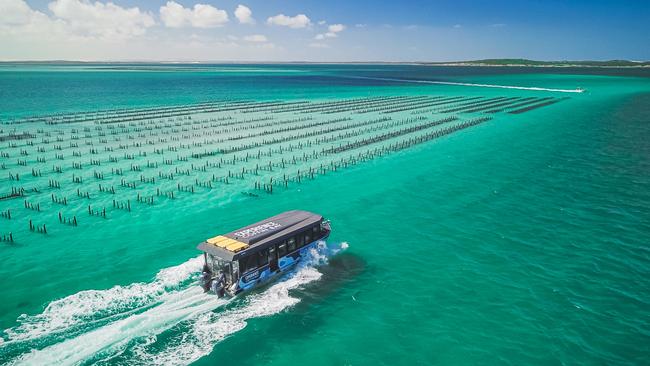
x=521 y=240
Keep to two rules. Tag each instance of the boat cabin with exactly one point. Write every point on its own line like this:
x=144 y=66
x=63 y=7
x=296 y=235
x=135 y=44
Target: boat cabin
x=245 y=257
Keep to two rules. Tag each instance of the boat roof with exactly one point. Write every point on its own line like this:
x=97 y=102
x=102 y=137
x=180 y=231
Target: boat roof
x=260 y=235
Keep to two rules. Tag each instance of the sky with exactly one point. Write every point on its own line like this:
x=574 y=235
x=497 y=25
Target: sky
x=323 y=31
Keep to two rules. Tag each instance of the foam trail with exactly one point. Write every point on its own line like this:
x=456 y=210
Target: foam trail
x=173 y=308
x=474 y=84
x=210 y=328
x=91 y=305
x=176 y=307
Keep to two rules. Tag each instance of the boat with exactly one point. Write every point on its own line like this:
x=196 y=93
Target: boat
x=257 y=254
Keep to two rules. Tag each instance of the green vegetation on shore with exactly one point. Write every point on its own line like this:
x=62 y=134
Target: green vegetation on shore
x=526 y=62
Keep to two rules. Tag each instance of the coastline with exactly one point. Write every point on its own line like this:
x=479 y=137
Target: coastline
x=641 y=65
x=470 y=64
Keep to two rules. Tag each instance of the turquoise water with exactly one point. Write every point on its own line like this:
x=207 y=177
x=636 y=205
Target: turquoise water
x=520 y=240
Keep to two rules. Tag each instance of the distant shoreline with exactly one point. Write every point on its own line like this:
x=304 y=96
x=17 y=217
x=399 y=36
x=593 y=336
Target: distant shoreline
x=466 y=64
x=522 y=62
x=614 y=64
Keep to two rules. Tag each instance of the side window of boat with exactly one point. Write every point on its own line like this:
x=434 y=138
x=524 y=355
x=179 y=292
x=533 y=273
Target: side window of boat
x=292 y=245
x=316 y=231
x=282 y=249
x=307 y=238
x=248 y=263
x=301 y=239
x=272 y=252
x=263 y=257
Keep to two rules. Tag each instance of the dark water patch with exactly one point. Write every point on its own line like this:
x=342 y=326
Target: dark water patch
x=517 y=105
x=535 y=106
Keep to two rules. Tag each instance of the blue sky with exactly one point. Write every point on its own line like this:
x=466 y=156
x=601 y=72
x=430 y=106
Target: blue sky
x=334 y=30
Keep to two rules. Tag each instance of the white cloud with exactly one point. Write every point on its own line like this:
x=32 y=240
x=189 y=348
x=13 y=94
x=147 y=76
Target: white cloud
x=73 y=20
x=332 y=31
x=322 y=22
x=101 y=20
x=244 y=14
x=335 y=28
x=174 y=15
x=298 y=21
x=19 y=19
x=258 y=38
x=17 y=12
x=103 y=30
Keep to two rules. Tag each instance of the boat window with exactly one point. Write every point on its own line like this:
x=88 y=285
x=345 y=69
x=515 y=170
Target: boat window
x=307 y=238
x=218 y=264
x=248 y=263
x=301 y=239
x=263 y=257
x=316 y=231
x=292 y=244
x=272 y=252
x=282 y=249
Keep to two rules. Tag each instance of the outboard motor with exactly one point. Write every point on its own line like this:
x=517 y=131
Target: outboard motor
x=206 y=278
x=218 y=285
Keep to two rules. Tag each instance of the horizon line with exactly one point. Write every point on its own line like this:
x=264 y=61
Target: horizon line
x=477 y=62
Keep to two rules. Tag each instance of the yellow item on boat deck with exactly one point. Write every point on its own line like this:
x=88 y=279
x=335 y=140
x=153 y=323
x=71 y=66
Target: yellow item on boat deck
x=218 y=239
x=236 y=246
x=227 y=243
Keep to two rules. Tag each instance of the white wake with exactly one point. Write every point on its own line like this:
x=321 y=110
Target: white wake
x=210 y=328
x=87 y=306
x=577 y=90
x=162 y=305
x=175 y=307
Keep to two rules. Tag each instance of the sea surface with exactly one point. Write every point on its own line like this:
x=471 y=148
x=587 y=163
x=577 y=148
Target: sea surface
x=480 y=215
